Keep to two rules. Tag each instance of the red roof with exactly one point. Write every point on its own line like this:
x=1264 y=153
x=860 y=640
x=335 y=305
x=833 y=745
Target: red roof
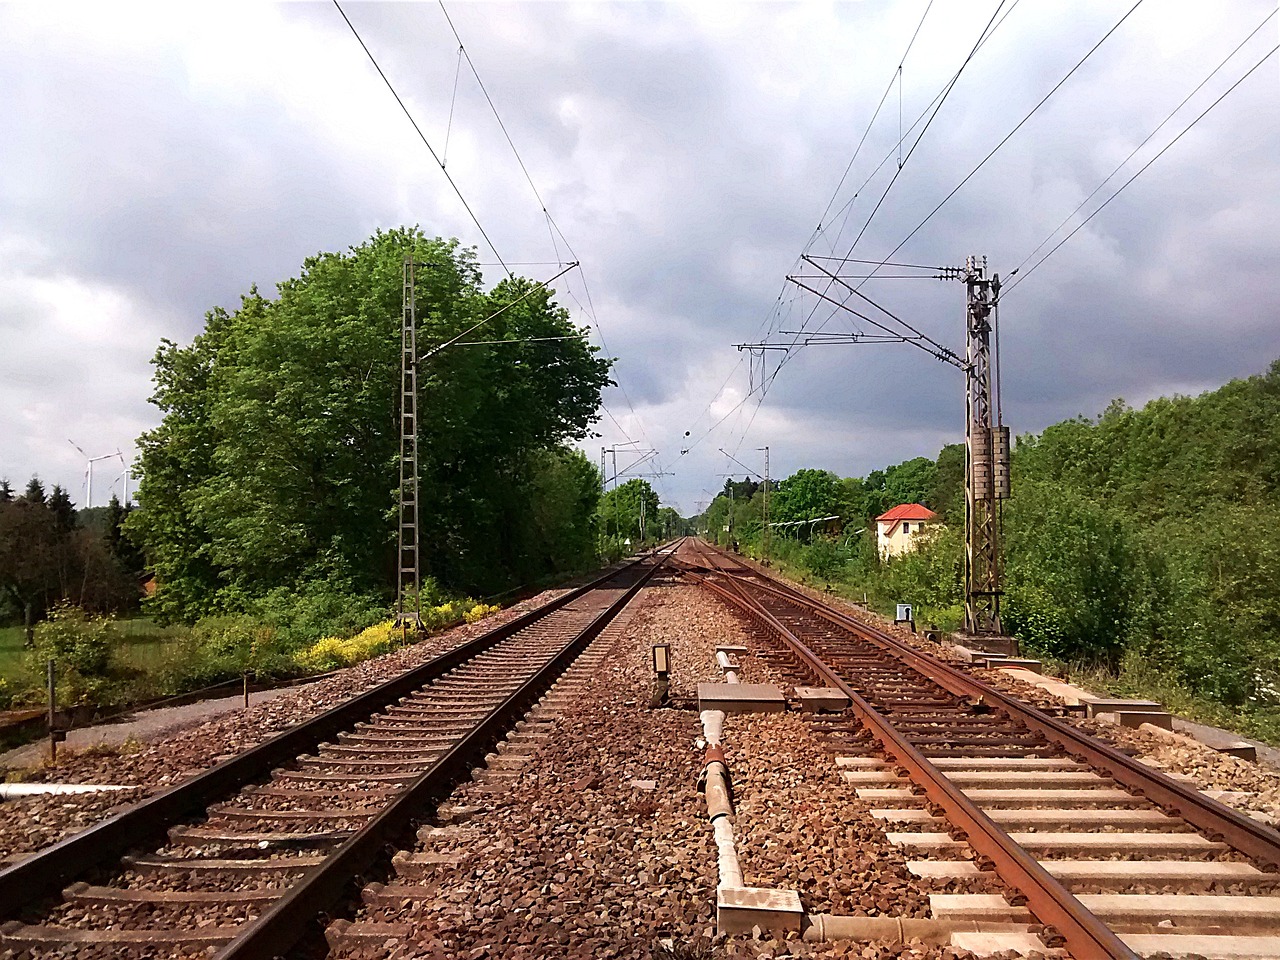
x=906 y=511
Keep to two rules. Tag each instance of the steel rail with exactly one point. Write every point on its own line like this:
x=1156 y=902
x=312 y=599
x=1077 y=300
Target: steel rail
x=281 y=926
x=1086 y=936
x=1217 y=820
x=47 y=871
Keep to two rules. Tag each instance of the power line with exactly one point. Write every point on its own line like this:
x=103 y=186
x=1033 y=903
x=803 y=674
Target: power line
x=1008 y=136
x=1145 y=141
x=874 y=115
x=848 y=205
x=1188 y=127
x=502 y=126
x=553 y=229
x=983 y=37
x=421 y=136
x=946 y=93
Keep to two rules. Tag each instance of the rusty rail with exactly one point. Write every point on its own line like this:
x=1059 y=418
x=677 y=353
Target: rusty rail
x=45 y=873
x=1215 y=819
x=1085 y=935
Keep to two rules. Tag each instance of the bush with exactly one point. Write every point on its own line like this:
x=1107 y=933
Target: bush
x=317 y=609
x=218 y=649
x=330 y=653
x=480 y=611
x=83 y=650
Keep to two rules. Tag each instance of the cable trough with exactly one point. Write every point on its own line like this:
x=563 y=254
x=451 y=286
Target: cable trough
x=1107 y=856
x=250 y=866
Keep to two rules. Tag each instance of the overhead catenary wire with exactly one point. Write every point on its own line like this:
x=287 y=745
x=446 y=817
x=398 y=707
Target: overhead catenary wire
x=847 y=207
x=1142 y=169
x=1145 y=140
x=991 y=26
x=421 y=136
x=1008 y=136
x=553 y=228
x=945 y=94
x=897 y=74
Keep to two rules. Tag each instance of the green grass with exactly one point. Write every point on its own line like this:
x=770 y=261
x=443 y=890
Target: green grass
x=143 y=645
x=11 y=653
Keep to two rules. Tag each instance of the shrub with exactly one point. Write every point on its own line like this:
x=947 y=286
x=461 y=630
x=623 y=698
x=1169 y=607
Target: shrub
x=330 y=653
x=317 y=609
x=82 y=648
x=480 y=611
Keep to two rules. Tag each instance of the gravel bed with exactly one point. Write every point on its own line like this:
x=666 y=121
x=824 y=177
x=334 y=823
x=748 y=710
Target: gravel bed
x=30 y=823
x=576 y=859
x=800 y=827
x=1208 y=768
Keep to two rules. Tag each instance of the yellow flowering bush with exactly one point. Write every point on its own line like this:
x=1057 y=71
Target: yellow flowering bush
x=480 y=611
x=330 y=653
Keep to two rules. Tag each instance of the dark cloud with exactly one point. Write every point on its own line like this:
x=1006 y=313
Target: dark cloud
x=157 y=166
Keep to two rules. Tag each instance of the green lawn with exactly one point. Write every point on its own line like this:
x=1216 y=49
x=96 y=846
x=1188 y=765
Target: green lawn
x=142 y=646
x=10 y=653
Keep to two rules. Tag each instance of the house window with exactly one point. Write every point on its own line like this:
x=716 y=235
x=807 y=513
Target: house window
x=906 y=528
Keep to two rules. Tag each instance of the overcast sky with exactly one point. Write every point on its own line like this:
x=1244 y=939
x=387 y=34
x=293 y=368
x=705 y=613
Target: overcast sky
x=156 y=160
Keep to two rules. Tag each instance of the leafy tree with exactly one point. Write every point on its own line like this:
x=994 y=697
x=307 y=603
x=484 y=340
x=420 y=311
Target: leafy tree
x=622 y=509
x=30 y=557
x=275 y=462
x=562 y=526
x=911 y=481
x=6 y=492
x=947 y=495
x=806 y=494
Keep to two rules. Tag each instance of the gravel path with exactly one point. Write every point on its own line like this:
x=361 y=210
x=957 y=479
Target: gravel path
x=145 y=725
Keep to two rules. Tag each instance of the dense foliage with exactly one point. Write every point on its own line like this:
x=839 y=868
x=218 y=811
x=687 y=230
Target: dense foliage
x=47 y=555
x=275 y=465
x=1145 y=542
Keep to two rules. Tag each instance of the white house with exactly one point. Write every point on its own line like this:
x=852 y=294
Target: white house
x=897 y=529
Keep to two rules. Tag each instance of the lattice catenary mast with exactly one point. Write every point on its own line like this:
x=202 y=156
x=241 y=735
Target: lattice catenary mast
x=408 y=560
x=986 y=441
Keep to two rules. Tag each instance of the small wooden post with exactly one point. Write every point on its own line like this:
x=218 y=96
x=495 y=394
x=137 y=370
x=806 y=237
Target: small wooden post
x=246 y=690
x=53 y=709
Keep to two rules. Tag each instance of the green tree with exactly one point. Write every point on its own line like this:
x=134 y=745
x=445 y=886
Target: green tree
x=275 y=462
x=30 y=557
x=947 y=495
x=806 y=494
x=623 y=508
x=911 y=481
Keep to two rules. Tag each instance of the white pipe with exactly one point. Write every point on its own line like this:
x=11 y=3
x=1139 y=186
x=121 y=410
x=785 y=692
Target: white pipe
x=727 y=855
x=717 y=793
x=712 y=726
x=12 y=791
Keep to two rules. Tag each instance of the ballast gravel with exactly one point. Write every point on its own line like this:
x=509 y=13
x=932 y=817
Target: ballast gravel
x=28 y=824
x=1251 y=787
x=601 y=846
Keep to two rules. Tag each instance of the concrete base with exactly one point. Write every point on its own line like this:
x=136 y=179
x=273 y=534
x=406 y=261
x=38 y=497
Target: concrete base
x=815 y=699
x=741 y=697
x=1129 y=713
x=739 y=909
x=733 y=650
x=987 y=644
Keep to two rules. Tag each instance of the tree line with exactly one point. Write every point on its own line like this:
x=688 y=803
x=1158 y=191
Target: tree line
x=50 y=552
x=1144 y=541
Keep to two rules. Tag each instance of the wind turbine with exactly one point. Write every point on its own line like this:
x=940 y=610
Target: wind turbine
x=88 y=473
x=124 y=476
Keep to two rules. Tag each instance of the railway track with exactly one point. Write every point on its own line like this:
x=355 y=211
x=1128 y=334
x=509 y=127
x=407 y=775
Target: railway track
x=253 y=851
x=1105 y=856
